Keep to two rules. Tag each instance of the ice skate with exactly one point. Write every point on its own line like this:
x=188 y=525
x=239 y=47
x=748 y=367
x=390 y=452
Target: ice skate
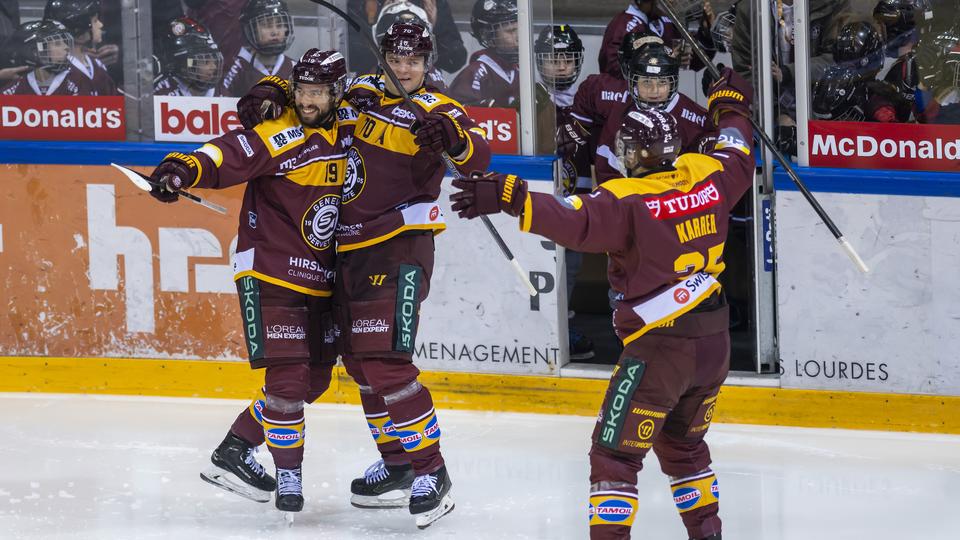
x=236 y=470
x=289 y=492
x=430 y=497
x=382 y=486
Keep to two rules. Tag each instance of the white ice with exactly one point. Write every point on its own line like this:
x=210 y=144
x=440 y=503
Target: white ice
x=116 y=467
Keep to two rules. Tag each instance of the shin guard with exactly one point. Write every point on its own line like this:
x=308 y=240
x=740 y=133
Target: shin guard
x=249 y=423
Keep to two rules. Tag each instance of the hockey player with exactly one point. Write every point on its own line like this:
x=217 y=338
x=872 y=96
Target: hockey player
x=192 y=61
x=407 y=12
x=284 y=266
x=82 y=20
x=664 y=226
x=652 y=75
x=268 y=32
x=492 y=78
x=647 y=16
x=45 y=47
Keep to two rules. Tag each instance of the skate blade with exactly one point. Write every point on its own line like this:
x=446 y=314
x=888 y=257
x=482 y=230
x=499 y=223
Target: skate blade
x=426 y=519
x=288 y=518
x=392 y=499
x=228 y=481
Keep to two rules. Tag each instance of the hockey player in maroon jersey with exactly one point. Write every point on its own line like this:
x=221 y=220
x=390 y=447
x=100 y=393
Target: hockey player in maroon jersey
x=268 y=32
x=192 y=63
x=284 y=266
x=45 y=47
x=492 y=78
x=407 y=12
x=664 y=227
x=82 y=19
x=647 y=16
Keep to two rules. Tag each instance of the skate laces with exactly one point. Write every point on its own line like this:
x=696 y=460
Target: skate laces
x=423 y=485
x=251 y=462
x=376 y=473
x=288 y=482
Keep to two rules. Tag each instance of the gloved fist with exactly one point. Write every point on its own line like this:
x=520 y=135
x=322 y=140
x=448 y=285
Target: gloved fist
x=265 y=101
x=440 y=132
x=570 y=136
x=488 y=193
x=730 y=92
x=174 y=173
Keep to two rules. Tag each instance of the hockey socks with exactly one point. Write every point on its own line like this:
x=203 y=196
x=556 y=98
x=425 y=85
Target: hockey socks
x=249 y=423
x=613 y=506
x=417 y=428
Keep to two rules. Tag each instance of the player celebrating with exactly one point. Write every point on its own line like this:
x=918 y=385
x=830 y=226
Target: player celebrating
x=268 y=31
x=284 y=265
x=82 y=20
x=492 y=78
x=664 y=226
x=192 y=61
x=44 y=46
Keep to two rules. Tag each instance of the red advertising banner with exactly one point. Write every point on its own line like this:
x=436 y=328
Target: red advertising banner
x=62 y=118
x=193 y=119
x=862 y=145
x=502 y=128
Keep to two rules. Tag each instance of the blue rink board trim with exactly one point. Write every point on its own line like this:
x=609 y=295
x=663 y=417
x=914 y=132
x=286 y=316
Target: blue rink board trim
x=132 y=153
x=871 y=182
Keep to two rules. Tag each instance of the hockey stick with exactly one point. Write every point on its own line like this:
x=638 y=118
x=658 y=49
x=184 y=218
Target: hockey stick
x=668 y=6
x=418 y=114
x=143 y=182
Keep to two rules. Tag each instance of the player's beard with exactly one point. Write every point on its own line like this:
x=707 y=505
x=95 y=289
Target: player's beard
x=317 y=119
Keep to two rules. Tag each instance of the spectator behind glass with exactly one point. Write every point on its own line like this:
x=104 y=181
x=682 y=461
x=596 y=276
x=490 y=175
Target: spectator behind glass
x=45 y=47
x=646 y=16
x=191 y=61
x=492 y=78
x=451 y=54
x=82 y=20
x=268 y=32
x=221 y=18
x=405 y=12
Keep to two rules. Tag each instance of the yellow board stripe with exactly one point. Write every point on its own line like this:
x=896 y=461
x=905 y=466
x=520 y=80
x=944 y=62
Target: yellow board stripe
x=473 y=391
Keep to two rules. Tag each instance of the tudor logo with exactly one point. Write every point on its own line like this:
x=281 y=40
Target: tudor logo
x=320 y=222
x=355 y=177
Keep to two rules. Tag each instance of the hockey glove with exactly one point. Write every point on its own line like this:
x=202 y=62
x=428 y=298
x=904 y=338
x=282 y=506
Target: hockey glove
x=439 y=132
x=488 y=193
x=174 y=173
x=570 y=136
x=265 y=101
x=729 y=93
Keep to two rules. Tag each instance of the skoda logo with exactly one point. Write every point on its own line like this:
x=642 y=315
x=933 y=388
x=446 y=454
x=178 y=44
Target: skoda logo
x=320 y=222
x=355 y=178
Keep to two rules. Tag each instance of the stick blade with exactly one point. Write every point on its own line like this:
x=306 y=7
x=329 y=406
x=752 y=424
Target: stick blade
x=138 y=179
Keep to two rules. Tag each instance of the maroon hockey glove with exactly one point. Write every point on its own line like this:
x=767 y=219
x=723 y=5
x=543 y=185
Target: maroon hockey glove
x=174 y=173
x=729 y=93
x=488 y=193
x=570 y=136
x=439 y=132
x=265 y=101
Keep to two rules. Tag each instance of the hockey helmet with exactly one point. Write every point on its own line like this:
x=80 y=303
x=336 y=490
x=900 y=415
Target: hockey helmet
x=403 y=12
x=322 y=67
x=486 y=21
x=904 y=17
x=652 y=76
x=632 y=42
x=43 y=44
x=192 y=54
x=554 y=46
x=722 y=31
x=859 y=46
x=838 y=95
x=648 y=139
x=904 y=75
x=75 y=15
x=408 y=39
x=270 y=17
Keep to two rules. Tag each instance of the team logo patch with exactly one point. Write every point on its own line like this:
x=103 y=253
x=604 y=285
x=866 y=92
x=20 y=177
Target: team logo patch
x=611 y=511
x=686 y=497
x=355 y=177
x=320 y=222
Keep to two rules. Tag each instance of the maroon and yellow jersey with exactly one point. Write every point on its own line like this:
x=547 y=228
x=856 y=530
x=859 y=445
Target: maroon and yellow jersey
x=390 y=185
x=294 y=176
x=664 y=232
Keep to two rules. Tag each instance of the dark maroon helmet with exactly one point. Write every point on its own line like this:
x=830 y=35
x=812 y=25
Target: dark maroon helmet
x=648 y=139
x=407 y=39
x=320 y=67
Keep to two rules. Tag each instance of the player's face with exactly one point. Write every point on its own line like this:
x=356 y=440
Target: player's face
x=558 y=66
x=653 y=89
x=313 y=102
x=96 y=30
x=272 y=30
x=58 y=50
x=508 y=36
x=410 y=70
x=206 y=68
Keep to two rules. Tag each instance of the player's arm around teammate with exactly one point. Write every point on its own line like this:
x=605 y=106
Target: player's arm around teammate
x=293 y=167
x=664 y=227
